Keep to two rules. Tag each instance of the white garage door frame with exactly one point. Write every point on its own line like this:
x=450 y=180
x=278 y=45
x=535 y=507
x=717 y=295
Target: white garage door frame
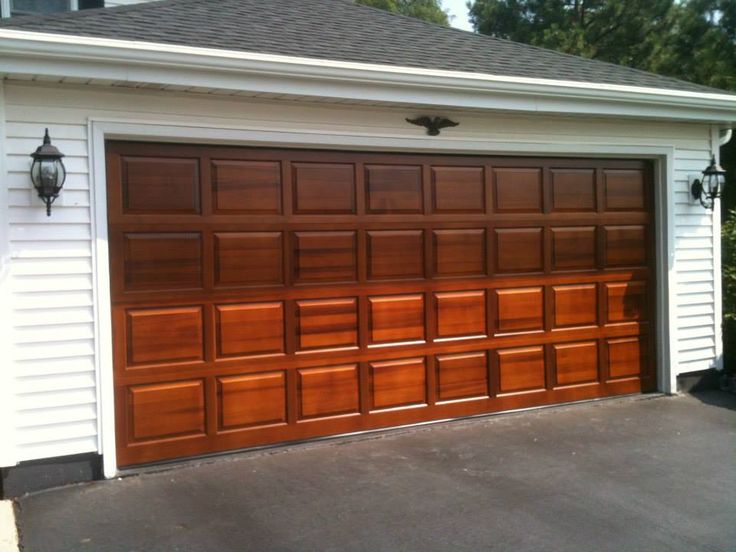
x=105 y=129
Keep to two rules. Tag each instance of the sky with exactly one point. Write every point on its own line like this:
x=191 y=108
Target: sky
x=460 y=11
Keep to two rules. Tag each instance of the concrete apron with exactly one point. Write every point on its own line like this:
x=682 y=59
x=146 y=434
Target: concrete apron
x=8 y=531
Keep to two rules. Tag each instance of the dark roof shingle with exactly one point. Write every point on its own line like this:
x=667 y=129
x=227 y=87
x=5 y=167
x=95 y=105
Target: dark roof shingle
x=336 y=30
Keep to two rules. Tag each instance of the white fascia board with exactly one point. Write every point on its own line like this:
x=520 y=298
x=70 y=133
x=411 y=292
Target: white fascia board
x=23 y=52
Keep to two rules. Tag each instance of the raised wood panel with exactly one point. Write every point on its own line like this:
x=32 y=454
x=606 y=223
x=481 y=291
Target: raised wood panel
x=521 y=369
x=396 y=318
x=573 y=190
x=627 y=301
x=575 y=305
x=394 y=189
x=458 y=190
x=518 y=190
x=462 y=376
x=252 y=400
x=576 y=362
x=625 y=357
x=396 y=383
x=461 y=313
x=162 y=260
x=252 y=187
x=325 y=257
x=327 y=323
x=520 y=309
x=323 y=188
x=160 y=185
x=164 y=335
x=395 y=254
x=625 y=246
x=249 y=258
x=250 y=329
x=328 y=391
x=167 y=410
x=574 y=248
x=459 y=253
x=624 y=190
x=519 y=250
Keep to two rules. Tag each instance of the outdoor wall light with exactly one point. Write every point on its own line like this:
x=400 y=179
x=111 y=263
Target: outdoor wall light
x=47 y=172
x=707 y=189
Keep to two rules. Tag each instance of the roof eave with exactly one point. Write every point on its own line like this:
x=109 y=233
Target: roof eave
x=23 y=52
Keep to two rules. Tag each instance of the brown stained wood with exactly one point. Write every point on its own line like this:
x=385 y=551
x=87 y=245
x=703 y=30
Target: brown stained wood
x=458 y=190
x=398 y=383
x=328 y=391
x=518 y=190
x=167 y=410
x=252 y=187
x=462 y=376
x=327 y=323
x=250 y=329
x=394 y=189
x=160 y=185
x=576 y=362
x=575 y=305
x=519 y=250
x=626 y=301
x=252 y=400
x=625 y=246
x=323 y=188
x=162 y=260
x=624 y=190
x=395 y=254
x=164 y=336
x=461 y=313
x=574 y=248
x=325 y=257
x=396 y=318
x=279 y=295
x=625 y=357
x=520 y=309
x=573 y=190
x=248 y=258
x=459 y=253
x=521 y=369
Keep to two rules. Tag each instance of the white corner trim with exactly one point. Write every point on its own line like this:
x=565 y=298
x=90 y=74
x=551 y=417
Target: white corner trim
x=717 y=142
x=7 y=371
x=103 y=129
x=23 y=52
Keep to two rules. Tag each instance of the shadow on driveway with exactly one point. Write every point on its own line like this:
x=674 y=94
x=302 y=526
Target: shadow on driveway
x=644 y=473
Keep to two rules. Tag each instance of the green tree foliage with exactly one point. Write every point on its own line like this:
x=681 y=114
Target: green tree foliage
x=429 y=10
x=728 y=243
x=694 y=40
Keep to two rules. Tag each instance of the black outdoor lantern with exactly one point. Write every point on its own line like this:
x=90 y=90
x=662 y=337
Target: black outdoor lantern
x=48 y=172
x=709 y=188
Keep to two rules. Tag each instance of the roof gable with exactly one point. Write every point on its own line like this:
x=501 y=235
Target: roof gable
x=336 y=30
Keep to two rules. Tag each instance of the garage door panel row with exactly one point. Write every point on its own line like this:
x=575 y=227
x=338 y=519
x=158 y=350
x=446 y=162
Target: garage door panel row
x=155 y=261
x=245 y=402
x=177 y=334
x=180 y=185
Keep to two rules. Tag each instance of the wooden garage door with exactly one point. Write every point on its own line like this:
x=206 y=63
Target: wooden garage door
x=262 y=296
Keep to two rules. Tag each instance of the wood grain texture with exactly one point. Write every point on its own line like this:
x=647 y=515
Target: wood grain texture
x=279 y=295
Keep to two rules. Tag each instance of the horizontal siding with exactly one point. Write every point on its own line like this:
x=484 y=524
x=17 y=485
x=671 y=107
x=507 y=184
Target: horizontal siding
x=52 y=258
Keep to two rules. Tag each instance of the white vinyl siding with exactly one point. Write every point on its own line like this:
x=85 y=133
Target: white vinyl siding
x=55 y=392
x=112 y=3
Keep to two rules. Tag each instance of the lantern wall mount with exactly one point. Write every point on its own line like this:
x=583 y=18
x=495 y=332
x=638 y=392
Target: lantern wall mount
x=48 y=172
x=708 y=188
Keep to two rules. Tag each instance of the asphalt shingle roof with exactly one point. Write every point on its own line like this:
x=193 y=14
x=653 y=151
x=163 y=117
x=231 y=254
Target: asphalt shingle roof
x=336 y=30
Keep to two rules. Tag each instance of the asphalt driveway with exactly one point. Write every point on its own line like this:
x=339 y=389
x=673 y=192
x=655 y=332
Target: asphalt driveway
x=648 y=473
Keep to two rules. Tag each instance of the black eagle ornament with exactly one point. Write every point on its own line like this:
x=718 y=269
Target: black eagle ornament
x=433 y=124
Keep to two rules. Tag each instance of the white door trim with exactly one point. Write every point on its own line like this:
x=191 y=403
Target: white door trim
x=104 y=129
